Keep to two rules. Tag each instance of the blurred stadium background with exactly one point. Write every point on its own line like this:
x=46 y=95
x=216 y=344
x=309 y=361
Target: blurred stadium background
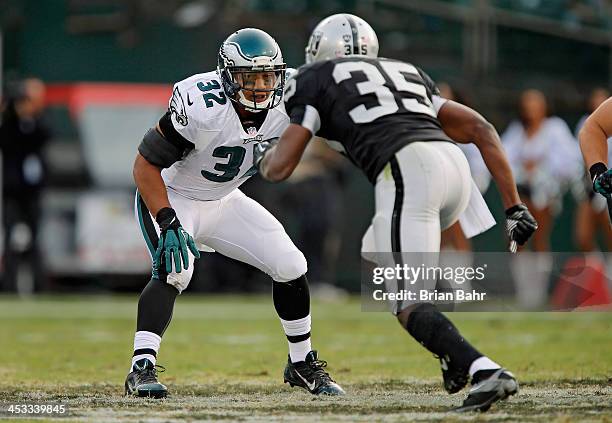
x=108 y=67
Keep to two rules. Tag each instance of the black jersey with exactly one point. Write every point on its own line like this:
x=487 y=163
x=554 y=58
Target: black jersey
x=372 y=107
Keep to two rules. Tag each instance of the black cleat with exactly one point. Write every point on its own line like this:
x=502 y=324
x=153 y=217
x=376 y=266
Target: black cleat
x=498 y=386
x=142 y=380
x=455 y=378
x=309 y=374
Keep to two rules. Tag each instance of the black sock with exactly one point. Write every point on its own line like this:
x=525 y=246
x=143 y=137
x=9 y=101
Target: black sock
x=291 y=299
x=155 y=307
x=292 y=303
x=436 y=333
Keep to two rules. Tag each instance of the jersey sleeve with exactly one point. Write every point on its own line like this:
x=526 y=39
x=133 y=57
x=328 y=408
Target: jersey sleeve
x=176 y=137
x=431 y=86
x=432 y=90
x=183 y=124
x=301 y=100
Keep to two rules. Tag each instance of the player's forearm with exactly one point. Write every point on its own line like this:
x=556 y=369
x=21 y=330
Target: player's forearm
x=274 y=168
x=484 y=135
x=465 y=125
x=150 y=185
x=281 y=160
x=495 y=158
x=593 y=143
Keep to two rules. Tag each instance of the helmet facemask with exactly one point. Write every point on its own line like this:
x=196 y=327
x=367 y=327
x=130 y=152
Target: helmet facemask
x=256 y=88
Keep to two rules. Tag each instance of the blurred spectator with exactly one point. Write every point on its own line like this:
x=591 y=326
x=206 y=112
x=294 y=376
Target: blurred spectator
x=22 y=137
x=591 y=213
x=544 y=157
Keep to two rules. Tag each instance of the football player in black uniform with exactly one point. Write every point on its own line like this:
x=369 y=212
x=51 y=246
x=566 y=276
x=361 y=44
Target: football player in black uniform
x=388 y=118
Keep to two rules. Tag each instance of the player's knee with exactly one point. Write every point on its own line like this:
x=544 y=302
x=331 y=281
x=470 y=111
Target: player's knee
x=180 y=280
x=290 y=266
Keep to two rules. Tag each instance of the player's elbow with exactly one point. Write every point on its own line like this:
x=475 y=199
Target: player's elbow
x=483 y=134
x=587 y=130
x=482 y=129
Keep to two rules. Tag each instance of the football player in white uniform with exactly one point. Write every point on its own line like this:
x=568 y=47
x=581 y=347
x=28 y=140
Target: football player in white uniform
x=188 y=170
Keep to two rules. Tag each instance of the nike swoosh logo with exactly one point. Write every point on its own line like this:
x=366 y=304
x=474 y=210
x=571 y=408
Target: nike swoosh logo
x=488 y=384
x=189 y=102
x=311 y=386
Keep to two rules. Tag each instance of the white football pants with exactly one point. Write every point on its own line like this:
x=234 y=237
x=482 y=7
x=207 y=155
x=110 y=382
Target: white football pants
x=422 y=191
x=236 y=226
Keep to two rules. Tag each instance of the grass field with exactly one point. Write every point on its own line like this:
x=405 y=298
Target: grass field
x=224 y=358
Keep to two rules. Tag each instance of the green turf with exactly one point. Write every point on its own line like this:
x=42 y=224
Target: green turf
x=225 y=356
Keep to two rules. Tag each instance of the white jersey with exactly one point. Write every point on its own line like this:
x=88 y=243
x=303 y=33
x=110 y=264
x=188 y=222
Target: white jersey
x=223 y=155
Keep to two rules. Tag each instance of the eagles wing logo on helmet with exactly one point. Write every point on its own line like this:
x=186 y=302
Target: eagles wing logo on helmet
x=177 y=107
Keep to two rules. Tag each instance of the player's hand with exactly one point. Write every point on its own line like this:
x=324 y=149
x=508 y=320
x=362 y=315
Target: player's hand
x=174 y=243
x=602 y=179
x=520 y=224
x=261 y=149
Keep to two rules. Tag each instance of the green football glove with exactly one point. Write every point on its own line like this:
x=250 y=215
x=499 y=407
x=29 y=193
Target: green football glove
x=174 y=243
x=601 y=177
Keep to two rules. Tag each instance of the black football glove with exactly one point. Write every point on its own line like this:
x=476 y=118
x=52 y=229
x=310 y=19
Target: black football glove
x=174 y=243
x=601 y=177
x=261 y=149
x=520 y=224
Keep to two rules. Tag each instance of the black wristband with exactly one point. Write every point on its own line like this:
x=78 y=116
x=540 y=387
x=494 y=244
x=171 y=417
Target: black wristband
x=515 y=208
x=165 y=217
x=597 y=169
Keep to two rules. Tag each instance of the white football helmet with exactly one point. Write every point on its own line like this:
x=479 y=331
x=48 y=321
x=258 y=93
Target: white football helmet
x=341 y=35
x=246 y=56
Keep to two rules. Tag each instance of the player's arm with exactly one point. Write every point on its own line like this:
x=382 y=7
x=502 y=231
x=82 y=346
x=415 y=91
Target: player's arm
x=594 y=146
x=148 y=175
x=277 y=161
x=161 y=147
x=465 y=125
